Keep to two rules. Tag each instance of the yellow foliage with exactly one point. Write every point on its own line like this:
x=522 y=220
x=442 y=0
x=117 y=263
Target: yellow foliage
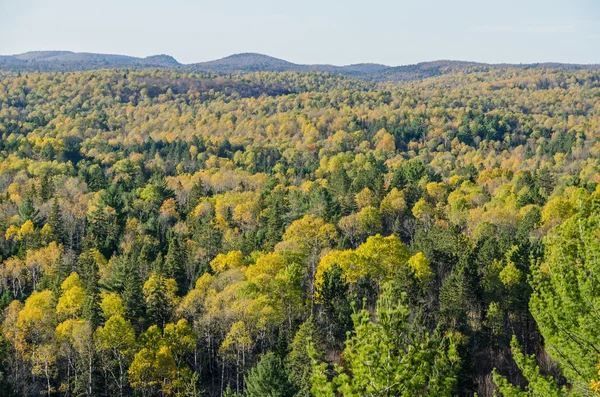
x=70 y=303
x=222 y=262
x=379 y=257
x=420 y=266
x=111 y=304
x=72 y=281
x=12 y=231
x=37 y=315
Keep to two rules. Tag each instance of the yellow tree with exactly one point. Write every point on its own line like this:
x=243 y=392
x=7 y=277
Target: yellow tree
x=308 y=236
x=115 y=341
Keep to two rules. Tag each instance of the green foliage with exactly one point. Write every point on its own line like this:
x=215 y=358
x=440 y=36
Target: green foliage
x=306 y=342
x=537 y=384
x=565 y=298
x=269 y=378
x=392 y=356
x=210 y=220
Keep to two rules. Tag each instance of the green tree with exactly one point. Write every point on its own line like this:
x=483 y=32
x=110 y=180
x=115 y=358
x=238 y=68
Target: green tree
x=566 y=300
x=28 y=212
x=174 y=266
x=299 y=362
x=116 y=341
x=55 y=221
x=269 y=378
x=391 y=357
x=537 y=384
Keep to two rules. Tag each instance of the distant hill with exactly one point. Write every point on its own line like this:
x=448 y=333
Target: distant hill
x=9 y=60
x=253 y=62
x=248 y=62
x=69 y=61
x=424 y=70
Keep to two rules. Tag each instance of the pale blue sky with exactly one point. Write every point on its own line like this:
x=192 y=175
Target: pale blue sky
x=311 y=31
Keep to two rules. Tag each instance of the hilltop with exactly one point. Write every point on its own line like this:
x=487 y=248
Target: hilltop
x=255 y=62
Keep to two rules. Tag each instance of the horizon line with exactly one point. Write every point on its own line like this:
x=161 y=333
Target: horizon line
x=290 y=62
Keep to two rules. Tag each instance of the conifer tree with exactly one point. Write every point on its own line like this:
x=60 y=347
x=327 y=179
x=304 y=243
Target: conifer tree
x=391 y=356
x=133 y=298
x=55 y=221
x=269 y=378
x=28 y=212
x=174 y=266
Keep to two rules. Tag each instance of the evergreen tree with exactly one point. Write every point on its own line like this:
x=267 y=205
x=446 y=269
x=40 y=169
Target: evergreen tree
x=133 y=298
x=269 y=378
x=96 y=179
x=391 y=356
x=566 y=297
x=158 y=307
x=298 y=361
x=537 y=384
x=55 y=221
x=174 y=266
x=27 y=211
x=196 y=192
x=335 y=310
x=90 y=277
x=46 y=187
x=277 y=206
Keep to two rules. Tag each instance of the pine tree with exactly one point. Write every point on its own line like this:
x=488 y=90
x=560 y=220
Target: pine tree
x=46 y=188
x=391 y=356
x=298 y=361
x=133 y=299
x=175 y=261
x=158 y=307
x=96 y=179
x=276 y=206
x=335 y=310
x=55 y=221
x=537 y=384
x=269 y=378
x=565 y=295
x=27 y=211
x=196 y=192
x=90 y=277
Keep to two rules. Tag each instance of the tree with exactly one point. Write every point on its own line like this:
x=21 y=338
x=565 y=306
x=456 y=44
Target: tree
x=392 y=208
x=158 y=366
x=236 y=346
x=90 y=271
x=134 y=299
x=308 y=237
x=298 y=362
x=174 y=265
x=269 y=378
x=116 y=340
x=565 y=299
x=231 y=260
x=55 y=221
x=334 y=306
x=71 y=302
x=161 y=298
x=537 y=384
x=28 y=212
x=391 y=356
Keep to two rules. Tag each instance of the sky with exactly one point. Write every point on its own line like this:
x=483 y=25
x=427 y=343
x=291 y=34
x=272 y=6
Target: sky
x=392 y=32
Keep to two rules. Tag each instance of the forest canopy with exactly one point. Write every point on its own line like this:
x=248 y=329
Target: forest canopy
x=165 y=233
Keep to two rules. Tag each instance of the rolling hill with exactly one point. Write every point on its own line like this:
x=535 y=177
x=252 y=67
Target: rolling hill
x=253 y=62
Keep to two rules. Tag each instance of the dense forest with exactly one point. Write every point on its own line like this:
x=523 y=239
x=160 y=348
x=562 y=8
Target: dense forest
x=169 y=233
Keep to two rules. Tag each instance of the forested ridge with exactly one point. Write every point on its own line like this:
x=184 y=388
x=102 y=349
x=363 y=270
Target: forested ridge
x=165 y=233
x=68 y=61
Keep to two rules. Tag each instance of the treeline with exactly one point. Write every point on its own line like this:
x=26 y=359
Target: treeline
x=292 y=234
